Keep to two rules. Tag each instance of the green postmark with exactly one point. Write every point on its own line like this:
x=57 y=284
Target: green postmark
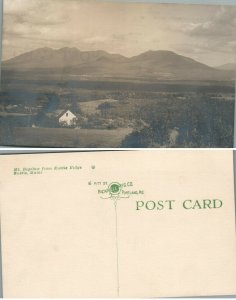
x=115 y=188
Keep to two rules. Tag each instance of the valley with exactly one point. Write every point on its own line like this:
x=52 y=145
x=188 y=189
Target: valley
x=130 y=102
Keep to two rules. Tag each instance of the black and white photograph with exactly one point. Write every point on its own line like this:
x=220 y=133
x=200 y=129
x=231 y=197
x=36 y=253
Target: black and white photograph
x=115 y=74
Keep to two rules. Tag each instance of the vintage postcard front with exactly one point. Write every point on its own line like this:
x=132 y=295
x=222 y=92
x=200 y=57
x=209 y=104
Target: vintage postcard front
x=117 y=74
x=118 y=224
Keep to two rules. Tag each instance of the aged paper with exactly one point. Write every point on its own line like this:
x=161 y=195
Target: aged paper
x=117 y=74
x=118 y=224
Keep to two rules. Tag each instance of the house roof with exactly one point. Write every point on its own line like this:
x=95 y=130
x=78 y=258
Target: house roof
x=59 y=113
x=55 y=113
x=65 y=111
x=62 y=112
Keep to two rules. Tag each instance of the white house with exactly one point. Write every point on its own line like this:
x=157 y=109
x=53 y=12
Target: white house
x=66 y=117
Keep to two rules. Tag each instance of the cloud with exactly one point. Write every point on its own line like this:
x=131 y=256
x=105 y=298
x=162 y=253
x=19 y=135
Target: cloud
x=29 y=15
x=213 y=40
x=223 y=25
x=19 y=6
x=95 y=39
x=125 y=28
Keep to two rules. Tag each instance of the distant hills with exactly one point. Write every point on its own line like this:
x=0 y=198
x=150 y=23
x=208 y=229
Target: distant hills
x=159 y=65
x=228 y=67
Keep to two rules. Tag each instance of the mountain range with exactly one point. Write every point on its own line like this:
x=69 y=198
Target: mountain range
x=159 y=65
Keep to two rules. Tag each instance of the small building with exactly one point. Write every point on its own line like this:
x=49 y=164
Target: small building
x=63 y=117
x=67 y=117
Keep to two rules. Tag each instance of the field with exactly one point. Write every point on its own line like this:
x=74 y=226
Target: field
x=55 y=137
x=91 y=107
x=112 y=113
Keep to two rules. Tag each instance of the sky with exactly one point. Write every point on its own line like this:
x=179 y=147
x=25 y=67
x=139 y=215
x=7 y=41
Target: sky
x=206 y=33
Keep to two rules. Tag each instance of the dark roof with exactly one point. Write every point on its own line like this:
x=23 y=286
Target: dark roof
x=58 y=113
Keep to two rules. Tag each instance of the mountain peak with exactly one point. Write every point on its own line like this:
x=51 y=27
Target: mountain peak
x=46 y=49
x=153 y=54
x=68 y=49
x=160 y=52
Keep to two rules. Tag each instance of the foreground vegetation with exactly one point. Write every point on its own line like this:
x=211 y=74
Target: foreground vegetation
x=158 y=115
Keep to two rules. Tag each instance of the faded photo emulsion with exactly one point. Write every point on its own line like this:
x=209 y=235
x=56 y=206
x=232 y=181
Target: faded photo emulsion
x=116 y=74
